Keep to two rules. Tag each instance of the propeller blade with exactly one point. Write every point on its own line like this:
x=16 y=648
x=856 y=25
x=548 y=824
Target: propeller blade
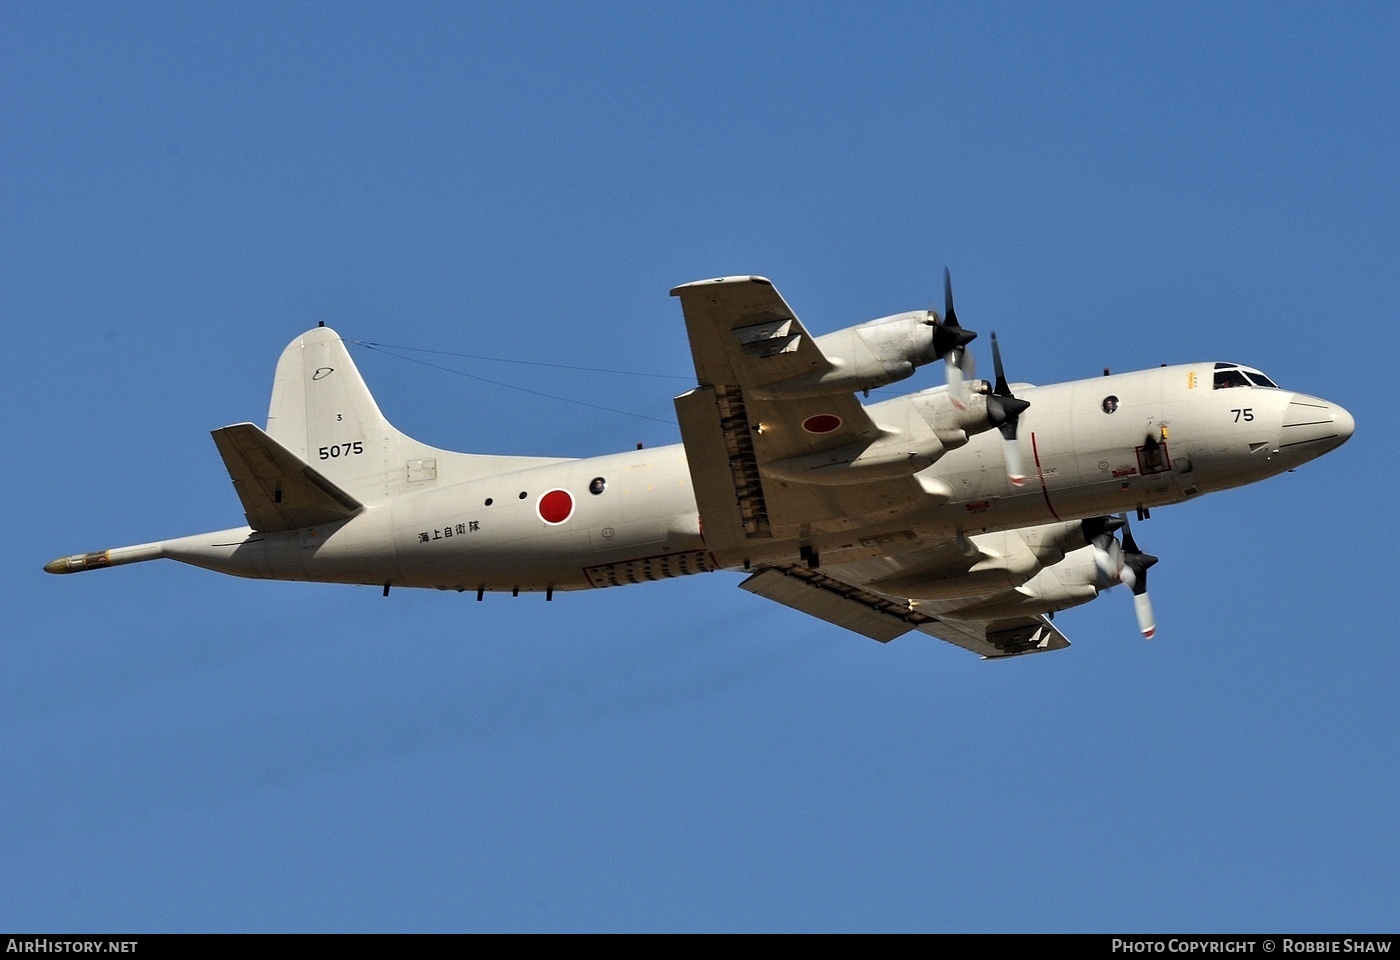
x=1002 y=389
x=950 y=340
x=1004 y=412
x=1108 y=557
x=956 y=386
x=1147 y=622
x=961 y=369
x=1134 y=576
x=1107 y=561
x=1129 y=543
x=950 y=316
x=1011 y=452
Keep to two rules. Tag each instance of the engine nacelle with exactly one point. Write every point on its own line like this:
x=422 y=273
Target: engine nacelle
x=863 y=357
x=952 y=421
x=1072 y=581
x=1028 y=571
x=894 y=453
x=914 y=432
x=998 y=562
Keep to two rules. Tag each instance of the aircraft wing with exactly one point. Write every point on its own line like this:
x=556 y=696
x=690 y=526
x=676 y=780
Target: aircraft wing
x=994 y=639
x=741 y=426
x=743 y=333
x=745 y=339
x=883 y=618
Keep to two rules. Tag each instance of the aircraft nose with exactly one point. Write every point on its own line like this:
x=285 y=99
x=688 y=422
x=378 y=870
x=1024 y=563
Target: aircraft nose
x=1311 y=427
x=1345 y=423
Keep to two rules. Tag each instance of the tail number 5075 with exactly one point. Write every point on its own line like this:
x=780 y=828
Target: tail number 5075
x=337 y=450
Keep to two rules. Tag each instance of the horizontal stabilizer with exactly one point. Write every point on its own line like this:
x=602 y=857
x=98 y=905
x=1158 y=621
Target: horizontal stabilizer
x=279 y=490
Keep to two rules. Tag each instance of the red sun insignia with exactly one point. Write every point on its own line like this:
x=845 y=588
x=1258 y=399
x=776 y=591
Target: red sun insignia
x=821 y=423
x=556 y=506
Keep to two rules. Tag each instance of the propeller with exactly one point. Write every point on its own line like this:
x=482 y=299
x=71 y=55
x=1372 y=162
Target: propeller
x=950 y=340
x=1108 y=556
x=1125 y=564
x=1004 y=412
x=1134 y=576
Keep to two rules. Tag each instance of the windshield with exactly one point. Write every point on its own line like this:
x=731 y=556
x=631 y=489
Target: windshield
x=1229 y=375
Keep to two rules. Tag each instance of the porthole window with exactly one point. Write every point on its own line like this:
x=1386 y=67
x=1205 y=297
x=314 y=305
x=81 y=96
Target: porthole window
x=488 y=501
x=1110 y=404
x=597 y=485
x=523 y=494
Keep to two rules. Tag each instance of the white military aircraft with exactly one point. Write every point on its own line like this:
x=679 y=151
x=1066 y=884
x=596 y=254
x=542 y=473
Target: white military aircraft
x=972 y=511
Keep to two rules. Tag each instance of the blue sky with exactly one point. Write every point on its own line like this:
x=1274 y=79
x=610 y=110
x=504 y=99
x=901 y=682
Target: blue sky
x=187 y=188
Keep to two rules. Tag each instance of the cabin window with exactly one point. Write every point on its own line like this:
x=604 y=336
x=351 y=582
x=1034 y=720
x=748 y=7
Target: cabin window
x=1110 y=404
x=597 y=485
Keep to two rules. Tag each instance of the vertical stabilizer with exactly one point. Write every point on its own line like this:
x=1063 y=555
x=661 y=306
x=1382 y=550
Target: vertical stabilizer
x=323 y=412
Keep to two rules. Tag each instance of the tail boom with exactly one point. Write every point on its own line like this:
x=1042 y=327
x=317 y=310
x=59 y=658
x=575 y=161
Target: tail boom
x=115 y=557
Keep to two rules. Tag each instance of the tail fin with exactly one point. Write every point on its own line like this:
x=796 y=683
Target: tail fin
x=323 y=413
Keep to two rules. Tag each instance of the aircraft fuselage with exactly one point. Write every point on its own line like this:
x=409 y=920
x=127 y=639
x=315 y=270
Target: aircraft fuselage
x=1091 y=447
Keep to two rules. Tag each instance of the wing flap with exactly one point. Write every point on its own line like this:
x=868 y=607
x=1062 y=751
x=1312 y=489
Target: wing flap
x=723 y=471
x=278 y=489
x=825 y=598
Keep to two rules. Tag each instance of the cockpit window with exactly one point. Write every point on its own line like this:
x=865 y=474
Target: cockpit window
x=1230 y=378
x=1233 y=375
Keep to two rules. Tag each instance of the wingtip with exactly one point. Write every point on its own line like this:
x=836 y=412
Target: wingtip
x=738 y=278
